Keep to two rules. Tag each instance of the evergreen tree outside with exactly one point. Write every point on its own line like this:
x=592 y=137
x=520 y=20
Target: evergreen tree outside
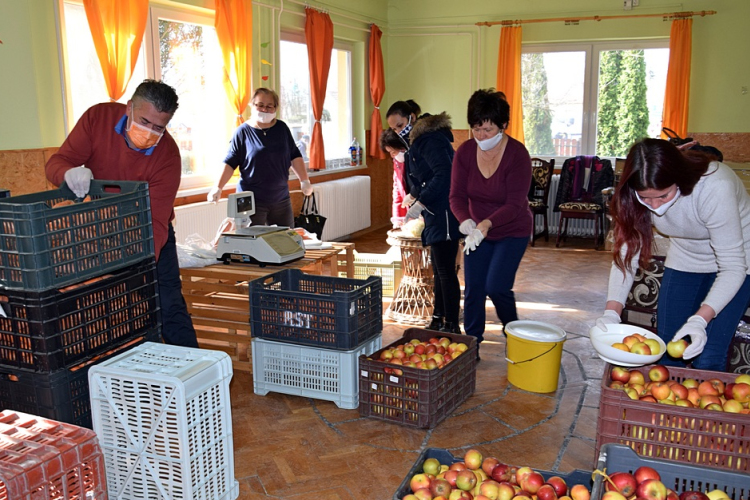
x=607 y=130
x=537 y=116
x=632 y=111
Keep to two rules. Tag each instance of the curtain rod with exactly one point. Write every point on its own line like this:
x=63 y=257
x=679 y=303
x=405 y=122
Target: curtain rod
x=575 y=20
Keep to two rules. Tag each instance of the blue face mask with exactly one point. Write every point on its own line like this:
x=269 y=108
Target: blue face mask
x=405 y=131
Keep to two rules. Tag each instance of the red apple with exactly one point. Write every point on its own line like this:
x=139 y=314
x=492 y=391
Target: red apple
x=419 y=481
x=644 y=472
x=489 y=489
x=741 y=392
x=440 y=488
x=637 y=377
x=620 y=374
x=648 y=399
x=658 y=373
x=651 y=489
x=460 y=495
x=623 y=482
x=531 y=482
x=693 y=495
x=728 y=390
x=546 y=492
x=661 y=391
x=679 y=391
x=450 y=476
x=641 y=348
x=559 y=484
x=613 y=495
x=706 y=388
x=671 y=495
x=521 y=472
x=501 y=472
x=457 y=466
x=423 y=494
x=505 y=491
x=580 y=492
x=488 y=464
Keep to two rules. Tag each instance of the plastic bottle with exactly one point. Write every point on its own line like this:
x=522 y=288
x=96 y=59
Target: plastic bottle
x=359 y=155
x=353 y=149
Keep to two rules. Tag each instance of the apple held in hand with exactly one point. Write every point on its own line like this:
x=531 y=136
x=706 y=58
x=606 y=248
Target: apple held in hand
x=676 y=348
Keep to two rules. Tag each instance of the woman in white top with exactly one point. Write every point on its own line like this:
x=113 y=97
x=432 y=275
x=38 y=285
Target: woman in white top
x=704 y=209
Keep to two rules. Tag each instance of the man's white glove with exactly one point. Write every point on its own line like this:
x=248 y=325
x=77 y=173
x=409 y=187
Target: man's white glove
x=472 y=241
x=214 y=194
x=78 y=180
x=414 y=212
x=608 y=318
x=695 y=328
x=306 y=188
x=408 y=201
x=467 y=226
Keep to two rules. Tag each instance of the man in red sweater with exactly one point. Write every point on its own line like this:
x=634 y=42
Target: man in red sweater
x=129 y=142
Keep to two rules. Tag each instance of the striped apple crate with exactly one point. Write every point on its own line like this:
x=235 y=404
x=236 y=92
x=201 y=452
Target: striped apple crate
x=445 y=457
x=677 y=477
x=697 y=436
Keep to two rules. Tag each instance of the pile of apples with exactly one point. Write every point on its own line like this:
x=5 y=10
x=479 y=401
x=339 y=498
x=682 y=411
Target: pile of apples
x=645 y=484
x=486 y=478
x=710 y=394
x=430 y=355
x=638 y=344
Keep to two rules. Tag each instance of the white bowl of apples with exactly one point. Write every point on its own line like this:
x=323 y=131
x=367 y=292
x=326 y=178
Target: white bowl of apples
x=627 y=345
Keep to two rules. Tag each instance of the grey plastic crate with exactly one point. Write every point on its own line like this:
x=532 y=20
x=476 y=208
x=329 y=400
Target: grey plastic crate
x=42 y=247
x=675 y=476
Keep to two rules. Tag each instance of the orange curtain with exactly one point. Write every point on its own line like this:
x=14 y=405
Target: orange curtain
x=377 y=89
x=234 y=28
x=117 y=27
x=677 y=95
x=319 y=38
x=509 y=77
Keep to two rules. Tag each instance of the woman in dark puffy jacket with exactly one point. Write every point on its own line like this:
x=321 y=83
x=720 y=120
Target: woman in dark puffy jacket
x=429 y=160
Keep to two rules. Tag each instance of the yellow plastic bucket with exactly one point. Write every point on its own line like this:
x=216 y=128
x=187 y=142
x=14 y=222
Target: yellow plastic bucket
x=533 y=352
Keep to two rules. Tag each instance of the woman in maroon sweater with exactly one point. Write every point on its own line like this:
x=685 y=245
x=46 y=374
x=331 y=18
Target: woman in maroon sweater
x=489 y=186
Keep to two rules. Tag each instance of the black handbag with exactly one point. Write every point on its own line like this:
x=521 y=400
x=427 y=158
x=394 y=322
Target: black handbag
x=309 y=218
x=679 y=141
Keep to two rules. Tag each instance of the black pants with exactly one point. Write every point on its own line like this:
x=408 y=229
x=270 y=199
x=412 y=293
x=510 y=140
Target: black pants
x=177 y=327
x=447 y=287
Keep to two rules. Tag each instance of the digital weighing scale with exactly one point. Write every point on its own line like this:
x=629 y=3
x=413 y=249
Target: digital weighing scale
x=256 y=244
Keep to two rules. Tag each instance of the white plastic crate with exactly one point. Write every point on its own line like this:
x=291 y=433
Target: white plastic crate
x=387 y=266
x=311 y=372
x=163 y=417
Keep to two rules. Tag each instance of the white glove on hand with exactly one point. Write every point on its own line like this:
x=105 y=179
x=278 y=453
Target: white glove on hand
x=695 y=328
x=472 y=241
x=306 y=188
x=78 y=180
x=214 y=194
x=467 y=226
x=608 y=318
x=408 y=201
x=414 y=212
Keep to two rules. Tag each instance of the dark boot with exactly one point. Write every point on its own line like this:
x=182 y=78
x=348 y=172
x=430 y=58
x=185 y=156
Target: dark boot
x=451 y=327
x=436 y=323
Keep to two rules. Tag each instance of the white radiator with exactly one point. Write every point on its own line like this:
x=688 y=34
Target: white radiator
x=576 y=227
x=202 y=219
x=346 y=205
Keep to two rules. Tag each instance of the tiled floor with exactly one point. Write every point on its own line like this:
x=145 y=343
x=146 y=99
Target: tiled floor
x=298 y=448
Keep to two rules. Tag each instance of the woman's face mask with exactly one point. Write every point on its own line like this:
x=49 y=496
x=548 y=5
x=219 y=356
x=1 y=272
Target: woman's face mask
x=490 y=143
x=399 y=157
x=263 y=117
x=404 y=132
x=658 y=201
x=141 y=137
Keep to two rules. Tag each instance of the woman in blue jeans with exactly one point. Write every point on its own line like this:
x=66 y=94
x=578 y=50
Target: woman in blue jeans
x=704 y=209
x=489 y=187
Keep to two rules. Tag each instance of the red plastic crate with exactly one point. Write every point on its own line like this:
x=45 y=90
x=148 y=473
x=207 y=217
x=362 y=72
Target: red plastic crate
x=418 y=398
x=42 y=458
x=674 y=433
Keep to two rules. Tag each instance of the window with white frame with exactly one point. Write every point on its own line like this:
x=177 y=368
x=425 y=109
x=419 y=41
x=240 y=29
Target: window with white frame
x=296 y=105
x=592 y=98
x=180 y=48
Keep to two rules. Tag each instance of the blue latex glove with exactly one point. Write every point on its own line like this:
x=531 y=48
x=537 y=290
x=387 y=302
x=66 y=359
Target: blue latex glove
x=695 y=328
x=414 y=212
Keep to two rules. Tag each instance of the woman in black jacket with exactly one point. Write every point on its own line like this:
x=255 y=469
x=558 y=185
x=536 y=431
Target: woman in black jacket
x=429 y=161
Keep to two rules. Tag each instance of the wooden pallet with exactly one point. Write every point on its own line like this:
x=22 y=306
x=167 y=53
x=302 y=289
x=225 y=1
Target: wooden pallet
x=219 y=305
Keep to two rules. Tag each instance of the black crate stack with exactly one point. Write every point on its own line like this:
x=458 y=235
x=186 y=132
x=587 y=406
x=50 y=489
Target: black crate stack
x=77 y=286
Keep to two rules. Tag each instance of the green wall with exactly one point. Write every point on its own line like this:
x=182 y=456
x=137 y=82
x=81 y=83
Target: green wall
x=444 y=78
x=433 y=50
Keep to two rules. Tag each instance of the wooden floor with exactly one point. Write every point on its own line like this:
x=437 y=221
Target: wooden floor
x=298 y=448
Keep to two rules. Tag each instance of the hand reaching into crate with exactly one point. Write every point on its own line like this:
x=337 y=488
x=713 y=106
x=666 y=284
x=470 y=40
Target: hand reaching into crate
x=78 y=180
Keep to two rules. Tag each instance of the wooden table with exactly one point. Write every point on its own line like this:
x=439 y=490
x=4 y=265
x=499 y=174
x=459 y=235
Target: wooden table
x=413 y=301
x=219 y=305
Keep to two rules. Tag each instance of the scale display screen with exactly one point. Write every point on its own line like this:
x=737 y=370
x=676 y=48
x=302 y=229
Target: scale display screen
x=241 y=204
x=245 y=204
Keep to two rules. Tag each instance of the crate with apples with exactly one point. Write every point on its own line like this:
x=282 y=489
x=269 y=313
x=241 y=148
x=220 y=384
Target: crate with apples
x=622 y=474
x=439 y=474
x=677 y=414
x=421 y=392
